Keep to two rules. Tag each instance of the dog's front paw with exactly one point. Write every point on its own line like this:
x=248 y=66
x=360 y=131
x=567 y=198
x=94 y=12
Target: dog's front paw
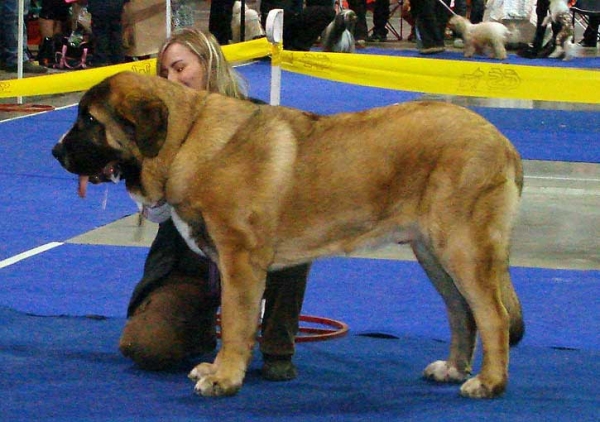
x=476 y=388
x=215 y=386
x=212 y=381
x=202 y=370
x=441 y=371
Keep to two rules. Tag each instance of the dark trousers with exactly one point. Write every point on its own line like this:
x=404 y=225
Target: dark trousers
x=169 y=255
x=219 y=20
x=381 y=16
x=108 y=31
x=301 y=29
x=431 y=19
x=590 y=35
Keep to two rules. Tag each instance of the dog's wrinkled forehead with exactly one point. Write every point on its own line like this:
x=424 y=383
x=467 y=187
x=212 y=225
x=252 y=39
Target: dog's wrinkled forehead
x=96 y=101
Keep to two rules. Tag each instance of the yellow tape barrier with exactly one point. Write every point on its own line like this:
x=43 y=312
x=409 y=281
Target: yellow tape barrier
x=82 y=80
x=449 y=77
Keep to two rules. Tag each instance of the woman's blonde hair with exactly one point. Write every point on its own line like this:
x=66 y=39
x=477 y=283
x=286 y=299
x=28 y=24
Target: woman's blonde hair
x=221 y=77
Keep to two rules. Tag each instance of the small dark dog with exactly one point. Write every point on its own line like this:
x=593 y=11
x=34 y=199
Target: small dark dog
x=338 y=35
x=560 y=14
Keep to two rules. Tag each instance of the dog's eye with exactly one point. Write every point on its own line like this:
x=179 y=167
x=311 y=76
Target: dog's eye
x=86 y=117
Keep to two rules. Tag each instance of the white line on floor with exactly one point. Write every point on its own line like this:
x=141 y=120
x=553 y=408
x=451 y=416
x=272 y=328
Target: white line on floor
x=28 y=254
x=568 y=178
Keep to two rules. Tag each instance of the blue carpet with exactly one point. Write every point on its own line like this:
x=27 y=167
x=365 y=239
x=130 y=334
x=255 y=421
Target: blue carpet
x=553 y=135
x=68 y=368
x=38 y=198
x=79 y=280
x=33 y=183
x=513 y=58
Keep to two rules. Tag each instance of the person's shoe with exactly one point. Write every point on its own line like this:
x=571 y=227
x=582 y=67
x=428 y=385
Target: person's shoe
x=360 y=44
x=458 y=43
x=587 y=43
x=28 y=67
x=377 y=38
x=432 y=50
x=278 y=368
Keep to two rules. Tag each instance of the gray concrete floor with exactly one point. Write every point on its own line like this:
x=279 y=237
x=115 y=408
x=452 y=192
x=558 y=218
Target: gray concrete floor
x=559 y=221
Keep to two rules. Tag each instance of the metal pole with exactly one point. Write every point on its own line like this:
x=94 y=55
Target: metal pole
x=168 y=14
x=274 y=32
x=20 y=43
x=243 y=21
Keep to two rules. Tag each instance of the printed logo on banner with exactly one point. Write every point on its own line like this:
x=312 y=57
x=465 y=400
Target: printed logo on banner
x=495 y=79
x=143 y=68
x=5 y=87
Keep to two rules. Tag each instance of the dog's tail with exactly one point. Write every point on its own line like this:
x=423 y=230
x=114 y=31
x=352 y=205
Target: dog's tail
x=515 y=313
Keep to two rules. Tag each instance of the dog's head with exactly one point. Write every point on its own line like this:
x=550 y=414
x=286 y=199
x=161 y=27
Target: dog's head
x=458 y=23
x=348 y=19
x=119 y=123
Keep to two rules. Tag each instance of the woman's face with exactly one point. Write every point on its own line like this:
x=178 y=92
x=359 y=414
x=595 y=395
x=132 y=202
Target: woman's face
x=180 y=64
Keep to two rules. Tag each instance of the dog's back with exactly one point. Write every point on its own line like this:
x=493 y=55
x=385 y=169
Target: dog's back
x=386 y=163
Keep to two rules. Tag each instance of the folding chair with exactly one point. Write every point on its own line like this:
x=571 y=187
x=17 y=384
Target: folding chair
x=585 y=9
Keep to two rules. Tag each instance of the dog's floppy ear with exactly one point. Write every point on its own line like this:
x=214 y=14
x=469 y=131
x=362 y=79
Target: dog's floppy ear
x=147 y=120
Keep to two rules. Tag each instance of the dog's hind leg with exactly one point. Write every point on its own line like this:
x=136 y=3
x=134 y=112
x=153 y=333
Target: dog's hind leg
x=474 y=252
x=462 y=325
x=469 y=48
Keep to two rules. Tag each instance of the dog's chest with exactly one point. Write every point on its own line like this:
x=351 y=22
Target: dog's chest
x=197 y=240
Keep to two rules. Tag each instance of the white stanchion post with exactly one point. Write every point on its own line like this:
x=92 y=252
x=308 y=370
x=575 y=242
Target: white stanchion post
x=274 y=32
x=20 y=43
x=168 y=18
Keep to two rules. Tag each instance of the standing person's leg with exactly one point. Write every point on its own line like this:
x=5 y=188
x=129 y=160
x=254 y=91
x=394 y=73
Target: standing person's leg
x=537 y=49
x=381 y=15
x=424 y=12
x=590 y=35
x=219 y=20
x=303 y=29
x=442 y=15
x=117 y=52
x=477 y=10
x=10 y=41
x=53 y=19
x=359 y=7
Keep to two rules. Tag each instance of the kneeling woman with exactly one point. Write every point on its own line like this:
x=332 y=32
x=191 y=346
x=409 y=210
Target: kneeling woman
x=172 y=312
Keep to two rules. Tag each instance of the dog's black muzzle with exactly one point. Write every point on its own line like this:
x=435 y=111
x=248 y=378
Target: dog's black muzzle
x=59 y=152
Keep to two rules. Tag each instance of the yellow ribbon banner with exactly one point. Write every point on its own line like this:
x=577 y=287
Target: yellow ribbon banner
x=436 y=76
x=450 y=77
x=82 y=80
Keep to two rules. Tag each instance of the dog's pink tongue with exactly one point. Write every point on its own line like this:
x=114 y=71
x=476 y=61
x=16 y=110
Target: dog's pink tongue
x=82 y=186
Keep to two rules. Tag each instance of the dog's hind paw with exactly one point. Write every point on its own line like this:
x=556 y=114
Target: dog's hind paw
x=441 y=371
x=475 y=388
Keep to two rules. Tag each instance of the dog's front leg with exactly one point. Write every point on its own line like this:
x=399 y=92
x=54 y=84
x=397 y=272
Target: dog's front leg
x=242 y=287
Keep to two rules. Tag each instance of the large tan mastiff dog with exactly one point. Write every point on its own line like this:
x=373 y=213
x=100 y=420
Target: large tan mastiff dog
x=257 y=187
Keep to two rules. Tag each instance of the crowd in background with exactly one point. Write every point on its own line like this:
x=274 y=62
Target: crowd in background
x=86 y=33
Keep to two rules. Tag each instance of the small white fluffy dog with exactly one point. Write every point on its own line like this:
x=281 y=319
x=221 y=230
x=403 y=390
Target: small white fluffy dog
x=560 y=13
x=252 y=23
x=338 y=35
x=487 y=38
